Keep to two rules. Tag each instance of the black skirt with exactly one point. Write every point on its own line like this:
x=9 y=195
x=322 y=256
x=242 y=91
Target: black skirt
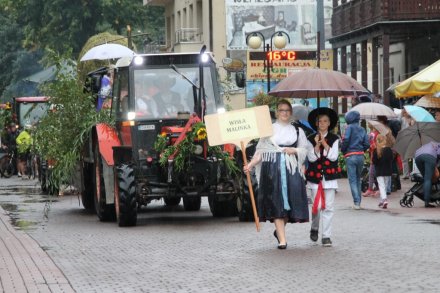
x=270 y=199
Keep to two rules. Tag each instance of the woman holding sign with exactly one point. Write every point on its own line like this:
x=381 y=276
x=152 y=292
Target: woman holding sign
x=279 y=162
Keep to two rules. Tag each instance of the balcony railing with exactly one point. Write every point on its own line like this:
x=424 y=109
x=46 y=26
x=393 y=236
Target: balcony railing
x=157 y=2
x=188 y=35
x=356 y=14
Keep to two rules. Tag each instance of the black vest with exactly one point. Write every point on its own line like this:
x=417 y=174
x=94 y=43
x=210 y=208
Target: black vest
x=323 y=167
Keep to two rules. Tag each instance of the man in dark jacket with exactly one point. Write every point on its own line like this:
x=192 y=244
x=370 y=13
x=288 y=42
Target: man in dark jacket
x=354 y=144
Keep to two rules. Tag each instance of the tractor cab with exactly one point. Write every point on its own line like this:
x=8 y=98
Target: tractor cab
x=30 y=110
x=165 y=86
x=158 y=93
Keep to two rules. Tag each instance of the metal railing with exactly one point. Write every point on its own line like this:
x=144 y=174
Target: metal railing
x=356 y=14
x=188 y=35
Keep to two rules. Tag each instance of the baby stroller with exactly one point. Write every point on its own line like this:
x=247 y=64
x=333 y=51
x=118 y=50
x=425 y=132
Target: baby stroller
x=417 y=190
x=365 y=176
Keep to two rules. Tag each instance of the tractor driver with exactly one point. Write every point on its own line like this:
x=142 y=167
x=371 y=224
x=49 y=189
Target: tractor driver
x=167 y=100
x=146 y=104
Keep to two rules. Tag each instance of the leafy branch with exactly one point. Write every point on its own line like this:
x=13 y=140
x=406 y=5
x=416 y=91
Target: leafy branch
x=62 y=133
x=186 y=148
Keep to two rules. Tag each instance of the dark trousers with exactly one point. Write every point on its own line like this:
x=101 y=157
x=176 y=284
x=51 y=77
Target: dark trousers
x=426 y=164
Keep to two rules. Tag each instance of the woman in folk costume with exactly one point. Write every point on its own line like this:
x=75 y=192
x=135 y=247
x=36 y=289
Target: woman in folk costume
x=279 y=159
x=323 y=171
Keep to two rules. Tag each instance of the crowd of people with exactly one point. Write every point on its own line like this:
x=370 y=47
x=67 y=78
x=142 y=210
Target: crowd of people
x=288 y=163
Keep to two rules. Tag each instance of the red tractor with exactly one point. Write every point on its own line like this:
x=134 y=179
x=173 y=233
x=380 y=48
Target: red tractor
x=159 y=97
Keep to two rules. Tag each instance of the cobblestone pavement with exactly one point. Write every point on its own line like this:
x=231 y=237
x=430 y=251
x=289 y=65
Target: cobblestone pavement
x=374 y=250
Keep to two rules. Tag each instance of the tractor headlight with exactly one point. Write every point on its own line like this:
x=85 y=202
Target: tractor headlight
x=138 y=60
x=204 y=58
x=131 y=115
x=198 y=149
x=221 y=110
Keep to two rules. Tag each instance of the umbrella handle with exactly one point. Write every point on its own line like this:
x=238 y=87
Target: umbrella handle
x=420 y=135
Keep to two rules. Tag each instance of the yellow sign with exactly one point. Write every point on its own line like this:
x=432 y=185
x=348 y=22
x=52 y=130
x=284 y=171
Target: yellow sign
x=238 y=126
x=282 y=68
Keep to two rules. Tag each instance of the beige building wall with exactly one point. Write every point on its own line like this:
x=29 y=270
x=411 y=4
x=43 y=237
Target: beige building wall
x=188 y=28
x=188 y=25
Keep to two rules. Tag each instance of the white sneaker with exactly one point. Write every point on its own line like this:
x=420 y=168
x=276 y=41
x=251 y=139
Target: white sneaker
x=356 y=207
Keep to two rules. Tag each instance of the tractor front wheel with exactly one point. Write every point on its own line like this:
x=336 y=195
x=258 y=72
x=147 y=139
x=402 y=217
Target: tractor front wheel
x=244 y=203
x=171 y=201
x=192 y=203
x=222 y=208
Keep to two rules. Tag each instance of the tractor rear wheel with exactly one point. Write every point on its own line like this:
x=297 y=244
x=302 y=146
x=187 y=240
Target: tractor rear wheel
x=105 y=212
x=126 y=204
x=87 y=197
x=192 y=203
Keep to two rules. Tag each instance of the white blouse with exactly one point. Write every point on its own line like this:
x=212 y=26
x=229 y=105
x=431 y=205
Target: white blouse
x=285 y=134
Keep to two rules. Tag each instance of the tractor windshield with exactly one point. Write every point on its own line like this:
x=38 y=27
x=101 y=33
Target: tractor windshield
x=31 y=113
x=163 y=93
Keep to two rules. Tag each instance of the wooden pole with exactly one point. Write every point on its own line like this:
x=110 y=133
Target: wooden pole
x=318 y=61
x=251 y=190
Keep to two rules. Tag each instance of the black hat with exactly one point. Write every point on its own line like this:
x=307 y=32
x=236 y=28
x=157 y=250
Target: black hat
x=323 y=111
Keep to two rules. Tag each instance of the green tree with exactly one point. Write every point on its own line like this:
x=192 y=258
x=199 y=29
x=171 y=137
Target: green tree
x=61 y=134
x=63 y=25
x=28 y=27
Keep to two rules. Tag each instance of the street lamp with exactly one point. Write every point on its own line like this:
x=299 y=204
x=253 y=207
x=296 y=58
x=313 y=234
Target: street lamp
x=278 y=39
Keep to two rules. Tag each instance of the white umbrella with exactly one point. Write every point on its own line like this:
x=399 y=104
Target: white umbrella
x=384 y=130
x=372 y=110
x=107 y=51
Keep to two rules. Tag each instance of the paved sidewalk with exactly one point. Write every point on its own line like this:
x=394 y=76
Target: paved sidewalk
x=24 y=265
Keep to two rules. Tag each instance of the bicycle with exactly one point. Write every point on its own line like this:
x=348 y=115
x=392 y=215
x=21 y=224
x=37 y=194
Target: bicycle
x=31 y=166
x=7 y=164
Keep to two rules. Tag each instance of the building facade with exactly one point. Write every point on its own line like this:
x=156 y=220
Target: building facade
x=377 y=42
x=223 y=26
x=398 y=37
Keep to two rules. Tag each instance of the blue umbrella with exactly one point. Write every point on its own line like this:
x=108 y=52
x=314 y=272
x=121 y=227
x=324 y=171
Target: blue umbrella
x=419 y=114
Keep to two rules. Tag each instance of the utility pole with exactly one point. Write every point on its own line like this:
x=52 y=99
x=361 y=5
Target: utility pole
x=129 y=43
x=320 y=22
x=320 y=36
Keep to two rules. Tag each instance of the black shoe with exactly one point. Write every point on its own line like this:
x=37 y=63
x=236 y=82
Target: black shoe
x=326 y=242
x=314 y=235
x=276 y=236
x=428 y=205
x=282 y=246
